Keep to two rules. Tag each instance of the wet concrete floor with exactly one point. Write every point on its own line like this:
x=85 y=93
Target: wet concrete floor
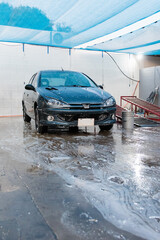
x=83 y=185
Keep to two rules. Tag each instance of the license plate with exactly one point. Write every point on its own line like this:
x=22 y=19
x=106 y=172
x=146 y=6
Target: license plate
x=85 y=122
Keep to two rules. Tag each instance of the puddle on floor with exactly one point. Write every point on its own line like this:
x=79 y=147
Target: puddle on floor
x=117 y=171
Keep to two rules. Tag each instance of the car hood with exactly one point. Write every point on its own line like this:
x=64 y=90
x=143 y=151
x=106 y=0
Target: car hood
x=77 y=95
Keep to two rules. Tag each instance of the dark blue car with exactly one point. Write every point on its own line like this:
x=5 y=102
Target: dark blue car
x=71 y=99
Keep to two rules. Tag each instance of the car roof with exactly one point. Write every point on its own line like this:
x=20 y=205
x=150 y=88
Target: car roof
x=57 y=71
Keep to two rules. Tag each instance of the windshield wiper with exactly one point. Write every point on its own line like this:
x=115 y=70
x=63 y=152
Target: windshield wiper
x=51 y=88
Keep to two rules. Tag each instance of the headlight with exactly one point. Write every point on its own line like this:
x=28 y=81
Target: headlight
x=56 y=103
x=110 y=102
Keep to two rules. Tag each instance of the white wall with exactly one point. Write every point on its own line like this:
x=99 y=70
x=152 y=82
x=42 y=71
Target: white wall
x=17 y=67
x=149 y=81
x=149 y=61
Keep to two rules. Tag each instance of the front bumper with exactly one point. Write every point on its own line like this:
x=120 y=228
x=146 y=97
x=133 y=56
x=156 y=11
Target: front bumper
x=69 y=117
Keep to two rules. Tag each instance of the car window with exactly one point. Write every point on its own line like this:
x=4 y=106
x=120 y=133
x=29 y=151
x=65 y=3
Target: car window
x=52 y=81
x=30 y=81
x=65 y=79
x=34 y=80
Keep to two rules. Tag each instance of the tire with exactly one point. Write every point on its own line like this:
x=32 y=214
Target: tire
x=106 y=128
x=26 y=118
x=73 y=129
x=39 y=128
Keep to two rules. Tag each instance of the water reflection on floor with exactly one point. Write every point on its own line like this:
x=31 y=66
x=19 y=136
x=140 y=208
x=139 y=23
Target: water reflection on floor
x=118 y=172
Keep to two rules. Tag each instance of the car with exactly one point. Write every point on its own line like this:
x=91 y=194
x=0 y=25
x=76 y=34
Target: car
x=59 y=99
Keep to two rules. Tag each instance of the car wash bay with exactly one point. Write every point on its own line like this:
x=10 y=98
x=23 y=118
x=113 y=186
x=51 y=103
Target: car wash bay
x=85 y=185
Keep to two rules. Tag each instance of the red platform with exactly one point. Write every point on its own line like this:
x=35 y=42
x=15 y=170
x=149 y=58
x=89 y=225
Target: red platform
x=148 y=108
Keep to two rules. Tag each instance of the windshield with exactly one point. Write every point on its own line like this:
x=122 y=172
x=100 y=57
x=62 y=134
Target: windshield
x=65 y=79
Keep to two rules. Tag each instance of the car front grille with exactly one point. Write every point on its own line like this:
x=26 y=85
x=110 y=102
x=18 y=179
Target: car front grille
x=71 y=118
x=88 y=106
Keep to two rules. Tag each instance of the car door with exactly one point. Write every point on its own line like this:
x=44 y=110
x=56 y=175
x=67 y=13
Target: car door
x=34 y=94
x=28 y=95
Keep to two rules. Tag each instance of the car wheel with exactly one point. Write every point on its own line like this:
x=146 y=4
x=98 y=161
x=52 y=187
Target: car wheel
x=106 y=128
x=39 y=128
x=73 y=129
x=26 y=118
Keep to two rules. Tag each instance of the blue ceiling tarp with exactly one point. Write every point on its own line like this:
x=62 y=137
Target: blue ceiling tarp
x=64 y=23
x=145 y=40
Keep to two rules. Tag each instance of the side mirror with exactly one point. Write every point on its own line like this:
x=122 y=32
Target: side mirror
x=100 y=86
x=30 y=87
